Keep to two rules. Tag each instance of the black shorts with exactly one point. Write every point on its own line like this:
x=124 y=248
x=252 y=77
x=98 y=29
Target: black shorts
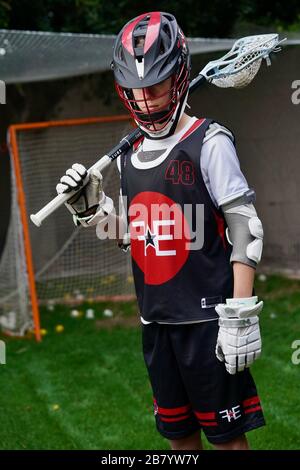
x=192 y=389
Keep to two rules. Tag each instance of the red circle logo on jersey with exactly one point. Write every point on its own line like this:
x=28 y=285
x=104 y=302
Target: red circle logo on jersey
x=159 y=234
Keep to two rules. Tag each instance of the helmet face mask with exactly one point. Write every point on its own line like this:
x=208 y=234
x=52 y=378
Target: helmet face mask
x=152 y=66
x=151 y=110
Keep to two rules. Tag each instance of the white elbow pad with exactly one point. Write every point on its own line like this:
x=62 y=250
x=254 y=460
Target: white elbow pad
x=244 y=231
x=254 y=249
x=107 y=227
x=125 y=244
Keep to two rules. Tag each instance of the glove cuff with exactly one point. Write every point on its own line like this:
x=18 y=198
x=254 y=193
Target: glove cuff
x=105 y=208
x=238 y=323
x=242 y=301
x=239 y=312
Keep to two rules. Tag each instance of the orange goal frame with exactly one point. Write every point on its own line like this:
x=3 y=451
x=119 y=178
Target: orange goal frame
x=13 y=130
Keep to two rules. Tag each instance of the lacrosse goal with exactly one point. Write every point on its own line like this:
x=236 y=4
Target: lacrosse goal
x=58 y=262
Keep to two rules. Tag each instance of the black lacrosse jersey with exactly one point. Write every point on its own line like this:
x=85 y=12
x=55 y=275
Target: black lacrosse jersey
x=180 y=253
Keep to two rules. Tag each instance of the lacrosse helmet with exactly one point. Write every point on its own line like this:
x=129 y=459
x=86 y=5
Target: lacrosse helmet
x=150 y=49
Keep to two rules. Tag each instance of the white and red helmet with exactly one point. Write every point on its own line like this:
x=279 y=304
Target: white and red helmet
x=148 y=50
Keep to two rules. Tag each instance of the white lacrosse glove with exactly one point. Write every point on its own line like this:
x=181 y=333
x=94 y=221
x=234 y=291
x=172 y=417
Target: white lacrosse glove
x=90 y=205
x=239 y=340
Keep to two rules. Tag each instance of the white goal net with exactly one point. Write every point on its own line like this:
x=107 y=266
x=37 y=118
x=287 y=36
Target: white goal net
x=70 y=265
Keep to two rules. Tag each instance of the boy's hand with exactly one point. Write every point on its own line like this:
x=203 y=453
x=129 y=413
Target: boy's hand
x=239 y=340
x=90 y=205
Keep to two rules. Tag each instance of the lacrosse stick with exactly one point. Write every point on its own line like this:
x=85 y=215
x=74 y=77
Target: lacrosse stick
x=235 y=69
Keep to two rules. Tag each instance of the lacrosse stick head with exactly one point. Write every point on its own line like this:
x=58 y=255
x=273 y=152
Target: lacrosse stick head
x=239 y=66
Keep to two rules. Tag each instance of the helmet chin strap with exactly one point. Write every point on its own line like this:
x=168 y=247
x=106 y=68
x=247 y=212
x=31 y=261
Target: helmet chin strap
x=171 y=127
x=158 y=116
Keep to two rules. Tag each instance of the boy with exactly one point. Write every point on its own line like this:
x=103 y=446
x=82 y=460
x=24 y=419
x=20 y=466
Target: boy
x=199 y=316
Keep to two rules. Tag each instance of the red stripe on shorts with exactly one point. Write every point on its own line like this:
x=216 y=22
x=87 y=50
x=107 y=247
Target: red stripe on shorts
x=173 y=411
x=252 y=410
x=208 y=423
x=172 y=420
x=251 y=401
x=211 y=415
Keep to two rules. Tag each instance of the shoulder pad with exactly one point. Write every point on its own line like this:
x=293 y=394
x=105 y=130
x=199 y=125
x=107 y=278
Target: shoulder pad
x=214 y=128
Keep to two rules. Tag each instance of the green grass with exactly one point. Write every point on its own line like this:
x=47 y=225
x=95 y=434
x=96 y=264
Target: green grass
x=87 y=388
